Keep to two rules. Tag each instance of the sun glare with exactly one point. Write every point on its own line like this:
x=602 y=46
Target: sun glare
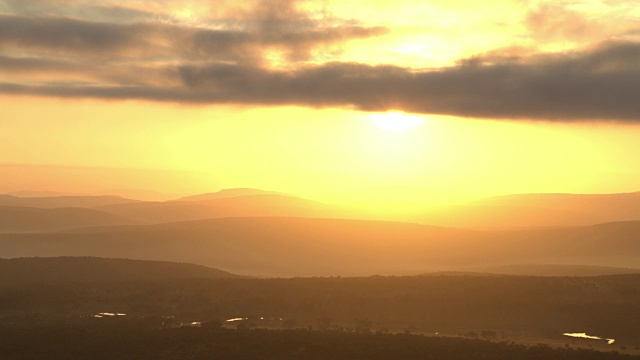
x=186 y=14
x=396 y=121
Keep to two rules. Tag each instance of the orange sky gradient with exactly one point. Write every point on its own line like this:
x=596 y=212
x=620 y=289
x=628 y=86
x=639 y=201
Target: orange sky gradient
x=381 y=102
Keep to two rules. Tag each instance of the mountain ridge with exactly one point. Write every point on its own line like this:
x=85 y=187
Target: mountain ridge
x=29 y=219
x=49 y=202
x=230 y=192
x=93 y=269
x=292 y=246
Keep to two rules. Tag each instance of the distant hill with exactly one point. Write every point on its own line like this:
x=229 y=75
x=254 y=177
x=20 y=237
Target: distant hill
x=28 y=193
x=538 y=210
x=62 y=201
x=226 y=193
x=281 y=246
x=554 y=270
x=93 y=269
x=518 y=211
x=482 y=216
x=137 y=194
x=262 y=204
x=280 y=235
x=27 y=219
x=262 y=246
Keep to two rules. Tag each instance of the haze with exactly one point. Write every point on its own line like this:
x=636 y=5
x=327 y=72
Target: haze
x=443 y=169
x=301 y=97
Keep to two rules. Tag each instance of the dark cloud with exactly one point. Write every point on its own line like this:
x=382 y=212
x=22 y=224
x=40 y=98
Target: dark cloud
x=72 y=37
x=245 y=47
x=92 y=10
x=25 y=64
x=600 y=84
x=226 y=64
x=100 y=73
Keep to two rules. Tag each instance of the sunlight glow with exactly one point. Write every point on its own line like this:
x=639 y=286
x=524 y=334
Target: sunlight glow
x=396 y=121
x=585 y=336
x=187 y=14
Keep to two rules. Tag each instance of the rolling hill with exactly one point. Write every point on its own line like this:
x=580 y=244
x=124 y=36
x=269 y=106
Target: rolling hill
x=261 y=204
x=227 y=193
x=553 y=270
x=538 y=210
x=51 y=202
x=280 y=246
x=502 y=212
x=93 y=269
x=265 y=246
x=27 y=219
x=31 y=193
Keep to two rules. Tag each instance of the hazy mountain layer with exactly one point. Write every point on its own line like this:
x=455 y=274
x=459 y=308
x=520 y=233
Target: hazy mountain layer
x=503 y=212
x=62 y=201
x=514 y=211
x=223 y=206
x=261 y=246
x=92 y=269
x=311 y=247
x=27 y=219
x=531 y=210
x=226 y=193
x=554 y=270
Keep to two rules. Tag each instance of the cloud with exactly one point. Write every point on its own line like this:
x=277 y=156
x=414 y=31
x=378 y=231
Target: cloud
x=16 y=64
x=582 y=22
x=557 y=21
x=70 y=35
x=67 y=72
x=225 y=61
x=249 y=46
x=137 y=41
x=599 y=84
x=95 y=10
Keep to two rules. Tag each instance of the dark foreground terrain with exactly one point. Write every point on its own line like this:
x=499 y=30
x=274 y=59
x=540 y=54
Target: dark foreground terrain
x=606 y=306
x=130 y=340
x=115 y=309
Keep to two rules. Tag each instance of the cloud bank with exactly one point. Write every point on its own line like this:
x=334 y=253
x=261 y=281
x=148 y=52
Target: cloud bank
x=228 y=62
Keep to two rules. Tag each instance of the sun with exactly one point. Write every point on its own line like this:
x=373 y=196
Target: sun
x=396 y=121
x=187 y=14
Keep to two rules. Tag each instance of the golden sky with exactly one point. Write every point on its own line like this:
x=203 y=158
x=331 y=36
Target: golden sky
x=343 y=101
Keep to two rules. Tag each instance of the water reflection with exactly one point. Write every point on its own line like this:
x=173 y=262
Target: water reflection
x=107 y=314
x=585 y=336
x=237 y=319
x=260 y=318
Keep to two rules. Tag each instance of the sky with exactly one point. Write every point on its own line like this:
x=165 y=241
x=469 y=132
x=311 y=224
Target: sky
x=428 y=102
